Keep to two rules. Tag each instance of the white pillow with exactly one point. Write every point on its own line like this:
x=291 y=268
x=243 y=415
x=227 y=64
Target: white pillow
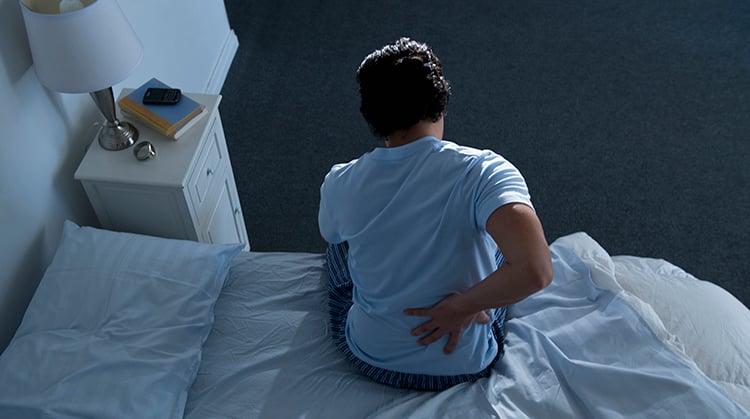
x=696 y=318
x=115 y=328
x=712 y=324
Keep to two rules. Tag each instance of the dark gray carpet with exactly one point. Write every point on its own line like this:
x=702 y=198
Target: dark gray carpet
x=629 y=119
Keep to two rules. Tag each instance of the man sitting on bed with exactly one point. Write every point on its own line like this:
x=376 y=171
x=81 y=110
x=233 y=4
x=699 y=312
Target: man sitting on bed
x=418 y=288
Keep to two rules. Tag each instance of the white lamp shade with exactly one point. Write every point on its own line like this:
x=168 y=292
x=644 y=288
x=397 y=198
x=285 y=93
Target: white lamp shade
x=82 y=51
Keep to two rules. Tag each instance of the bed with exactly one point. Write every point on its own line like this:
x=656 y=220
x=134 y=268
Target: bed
x=125 y=326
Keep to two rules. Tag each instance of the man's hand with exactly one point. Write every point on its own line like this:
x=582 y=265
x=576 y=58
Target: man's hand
x=526 y=270
x=447 y=316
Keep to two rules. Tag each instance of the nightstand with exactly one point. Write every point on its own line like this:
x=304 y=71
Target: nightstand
x=187 y=191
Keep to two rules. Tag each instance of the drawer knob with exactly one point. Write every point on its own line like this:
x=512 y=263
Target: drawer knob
x=209 y=172
x=236 y=211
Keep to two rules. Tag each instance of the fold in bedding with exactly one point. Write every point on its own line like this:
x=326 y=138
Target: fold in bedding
x=573 y=350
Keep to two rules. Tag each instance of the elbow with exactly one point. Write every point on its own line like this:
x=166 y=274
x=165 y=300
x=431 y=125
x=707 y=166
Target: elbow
x=546 y=279
x=541 y=274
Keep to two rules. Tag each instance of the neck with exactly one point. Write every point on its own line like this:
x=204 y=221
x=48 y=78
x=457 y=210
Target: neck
x=413 y=133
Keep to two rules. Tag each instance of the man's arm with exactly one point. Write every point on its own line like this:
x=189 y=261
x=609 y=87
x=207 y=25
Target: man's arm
x=527 y=269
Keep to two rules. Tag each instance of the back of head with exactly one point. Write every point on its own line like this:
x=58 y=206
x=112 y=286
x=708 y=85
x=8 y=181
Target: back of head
x=400 y=85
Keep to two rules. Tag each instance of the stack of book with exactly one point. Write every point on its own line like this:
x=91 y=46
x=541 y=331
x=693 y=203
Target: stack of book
x=168 y=120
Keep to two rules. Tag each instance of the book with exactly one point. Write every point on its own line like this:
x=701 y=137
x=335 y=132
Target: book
x=166 y=119
x=189 y=124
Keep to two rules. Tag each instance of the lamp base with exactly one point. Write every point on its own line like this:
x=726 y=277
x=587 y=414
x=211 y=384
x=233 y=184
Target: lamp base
x=117 y=135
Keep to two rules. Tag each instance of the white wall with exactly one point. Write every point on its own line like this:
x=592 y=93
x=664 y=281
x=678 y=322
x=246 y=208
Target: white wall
x=44 y=134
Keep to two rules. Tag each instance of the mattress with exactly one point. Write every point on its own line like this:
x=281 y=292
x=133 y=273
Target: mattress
x=606 y=339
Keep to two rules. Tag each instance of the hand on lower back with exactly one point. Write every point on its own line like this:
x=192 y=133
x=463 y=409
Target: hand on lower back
x=446 y=317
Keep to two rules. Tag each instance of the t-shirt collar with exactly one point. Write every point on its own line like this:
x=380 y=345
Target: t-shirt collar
x=404 y=151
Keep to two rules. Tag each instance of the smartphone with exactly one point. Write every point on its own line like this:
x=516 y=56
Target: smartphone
x=161 y=96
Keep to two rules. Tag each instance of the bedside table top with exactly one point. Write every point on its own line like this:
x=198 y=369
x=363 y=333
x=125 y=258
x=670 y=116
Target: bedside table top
x=173 y=158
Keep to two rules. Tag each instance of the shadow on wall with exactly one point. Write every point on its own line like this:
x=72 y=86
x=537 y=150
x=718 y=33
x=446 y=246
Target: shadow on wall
x=14 y=45
x=18 y=294
x=49 y=133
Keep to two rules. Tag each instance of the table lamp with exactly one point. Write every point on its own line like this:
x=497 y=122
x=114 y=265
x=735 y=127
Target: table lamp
x=85 y=46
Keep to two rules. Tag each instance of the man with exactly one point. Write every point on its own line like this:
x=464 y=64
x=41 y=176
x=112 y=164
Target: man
x=417 y=296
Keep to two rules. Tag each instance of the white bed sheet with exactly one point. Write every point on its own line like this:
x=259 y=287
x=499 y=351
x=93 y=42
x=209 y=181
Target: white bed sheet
x=574 y=350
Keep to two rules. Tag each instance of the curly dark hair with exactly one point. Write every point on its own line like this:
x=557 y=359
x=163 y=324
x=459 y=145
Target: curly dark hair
x=400 y=85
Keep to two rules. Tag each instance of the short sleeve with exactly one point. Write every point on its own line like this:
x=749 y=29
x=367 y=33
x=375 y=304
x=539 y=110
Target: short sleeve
x=326 y=219
x=499 y=183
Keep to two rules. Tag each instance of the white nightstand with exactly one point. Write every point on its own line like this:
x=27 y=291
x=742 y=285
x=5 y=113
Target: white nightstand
x=186 y=192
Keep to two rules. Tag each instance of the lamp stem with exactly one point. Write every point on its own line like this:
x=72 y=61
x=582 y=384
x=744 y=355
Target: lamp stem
x=105 y=101
x=114 y=135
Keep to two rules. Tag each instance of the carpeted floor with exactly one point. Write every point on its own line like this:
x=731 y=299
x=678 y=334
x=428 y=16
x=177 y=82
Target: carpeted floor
x=629 y=119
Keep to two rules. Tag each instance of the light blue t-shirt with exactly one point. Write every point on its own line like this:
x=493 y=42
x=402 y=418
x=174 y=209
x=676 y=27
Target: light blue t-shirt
x=414 y=217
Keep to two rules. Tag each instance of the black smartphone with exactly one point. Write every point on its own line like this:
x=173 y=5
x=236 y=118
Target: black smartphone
x=161 y=96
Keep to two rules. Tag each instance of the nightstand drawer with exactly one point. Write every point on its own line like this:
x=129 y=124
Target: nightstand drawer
x=209 y=169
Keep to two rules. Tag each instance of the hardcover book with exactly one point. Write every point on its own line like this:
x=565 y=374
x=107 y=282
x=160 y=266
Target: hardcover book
x=166 y=119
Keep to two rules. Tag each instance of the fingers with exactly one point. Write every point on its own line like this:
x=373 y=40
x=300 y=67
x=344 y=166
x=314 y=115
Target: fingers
x=437 y=334
x=432 y=333
x=434 y=329
x=452 y=343
x=423 y=328
x=420 y=312
x=432 y=337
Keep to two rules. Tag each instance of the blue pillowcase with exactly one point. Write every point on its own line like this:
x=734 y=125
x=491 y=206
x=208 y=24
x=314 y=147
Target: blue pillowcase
x=115 y=328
